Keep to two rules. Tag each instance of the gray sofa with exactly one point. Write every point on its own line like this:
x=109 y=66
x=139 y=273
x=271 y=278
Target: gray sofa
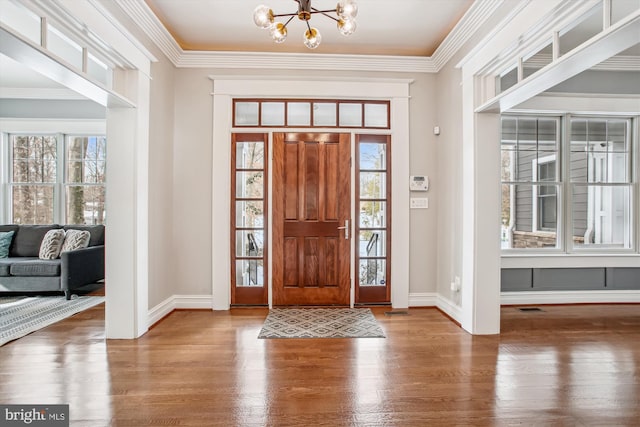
x=24 y=272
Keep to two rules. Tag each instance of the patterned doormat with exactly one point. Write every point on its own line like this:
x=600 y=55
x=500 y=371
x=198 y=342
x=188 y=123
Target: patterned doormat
x=20 y=316
x=321 y=323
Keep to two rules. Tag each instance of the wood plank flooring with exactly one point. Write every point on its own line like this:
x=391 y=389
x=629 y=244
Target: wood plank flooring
x=563 y=366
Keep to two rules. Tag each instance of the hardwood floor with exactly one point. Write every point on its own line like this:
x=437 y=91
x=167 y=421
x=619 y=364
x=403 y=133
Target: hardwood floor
x=563 y=366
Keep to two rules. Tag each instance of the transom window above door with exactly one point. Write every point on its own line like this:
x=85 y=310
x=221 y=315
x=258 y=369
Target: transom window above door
x=302 y=113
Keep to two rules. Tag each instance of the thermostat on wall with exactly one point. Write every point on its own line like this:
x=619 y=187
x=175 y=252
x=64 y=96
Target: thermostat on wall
x=419 y=183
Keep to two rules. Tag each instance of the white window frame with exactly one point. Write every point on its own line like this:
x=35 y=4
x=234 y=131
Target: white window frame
x=631 y=221
x=62 y=129
x=564 y=196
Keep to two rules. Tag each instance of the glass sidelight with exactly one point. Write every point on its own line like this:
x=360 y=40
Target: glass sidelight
x=373 y=232
x=248 y=218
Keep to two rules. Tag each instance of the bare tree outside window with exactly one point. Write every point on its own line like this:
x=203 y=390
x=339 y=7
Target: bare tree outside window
x=38 y=178
x=373 y=210
x=86 y=174
x=33 y=178
x=249 y=210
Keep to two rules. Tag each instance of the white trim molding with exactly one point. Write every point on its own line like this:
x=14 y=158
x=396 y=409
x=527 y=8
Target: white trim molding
x=190 y=302
x=569 y=297
x=450 y=308
x=225 y=88
x=423 y=299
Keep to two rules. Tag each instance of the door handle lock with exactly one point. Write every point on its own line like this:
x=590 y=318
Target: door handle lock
x=346 y=229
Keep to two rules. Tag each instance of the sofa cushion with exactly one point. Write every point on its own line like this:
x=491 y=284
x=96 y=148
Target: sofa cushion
x=5 y=264
x=35 y=267
x=27 y=240
x=10 y=227
x=51 y=244
x=75 y=239
x=96 y=231
x=6 y=237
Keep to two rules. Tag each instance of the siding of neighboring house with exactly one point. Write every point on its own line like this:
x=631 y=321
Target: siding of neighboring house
x=524 y=193
x=579 y=174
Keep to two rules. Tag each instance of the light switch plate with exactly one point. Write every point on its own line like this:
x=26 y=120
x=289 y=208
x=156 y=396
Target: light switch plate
x=419 y=203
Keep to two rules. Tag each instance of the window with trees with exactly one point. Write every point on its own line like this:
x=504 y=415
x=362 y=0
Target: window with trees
x=57 y=179
x=576 y=193
x=373 y=193
x=249 y=154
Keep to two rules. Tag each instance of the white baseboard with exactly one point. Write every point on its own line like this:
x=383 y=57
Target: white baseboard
x=194 y=301
x=160 y=310
x=569 y=297
x=450 y=308
x=423 y=299
x=178 y=301
x=430 y=299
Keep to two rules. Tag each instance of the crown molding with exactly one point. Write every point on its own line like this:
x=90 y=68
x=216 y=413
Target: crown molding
x=305 y=61
x=149 y=23
x=470 y=22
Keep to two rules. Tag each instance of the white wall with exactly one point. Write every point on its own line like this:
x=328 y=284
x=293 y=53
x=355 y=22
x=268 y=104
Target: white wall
x=449 y=177
x=161 y=244
x=423 y=263
x=193 y=173
x=449 y=161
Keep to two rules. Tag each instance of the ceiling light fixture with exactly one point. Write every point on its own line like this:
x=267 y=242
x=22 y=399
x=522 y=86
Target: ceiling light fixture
x=346 y=11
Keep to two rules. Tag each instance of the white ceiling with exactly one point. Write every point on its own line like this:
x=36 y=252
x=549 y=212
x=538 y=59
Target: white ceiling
x=384 y=27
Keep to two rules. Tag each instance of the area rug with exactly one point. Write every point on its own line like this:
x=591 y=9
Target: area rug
x=20 y=316
x=321 y=323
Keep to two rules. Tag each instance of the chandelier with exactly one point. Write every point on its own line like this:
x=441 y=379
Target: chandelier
x=345 y=11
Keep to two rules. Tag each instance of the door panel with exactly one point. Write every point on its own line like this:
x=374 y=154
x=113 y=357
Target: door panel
x=311 y=200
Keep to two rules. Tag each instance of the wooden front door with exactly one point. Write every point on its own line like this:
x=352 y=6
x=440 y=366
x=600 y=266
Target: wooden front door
x=311 y=202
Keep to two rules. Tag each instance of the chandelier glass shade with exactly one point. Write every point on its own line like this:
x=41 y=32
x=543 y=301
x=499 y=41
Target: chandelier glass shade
x=345 y=14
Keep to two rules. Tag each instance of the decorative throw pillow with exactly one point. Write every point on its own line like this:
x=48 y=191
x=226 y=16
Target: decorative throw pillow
x=75 y=239
x=5 y=243
x=51 y=244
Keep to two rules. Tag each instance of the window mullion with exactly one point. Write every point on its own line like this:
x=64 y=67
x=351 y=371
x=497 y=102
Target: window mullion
x=59 y=193
x=5 y=190
x=567 y=194
x=634 y=146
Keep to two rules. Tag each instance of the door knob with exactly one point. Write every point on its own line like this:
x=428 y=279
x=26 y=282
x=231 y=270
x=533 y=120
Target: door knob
x=346 y=229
